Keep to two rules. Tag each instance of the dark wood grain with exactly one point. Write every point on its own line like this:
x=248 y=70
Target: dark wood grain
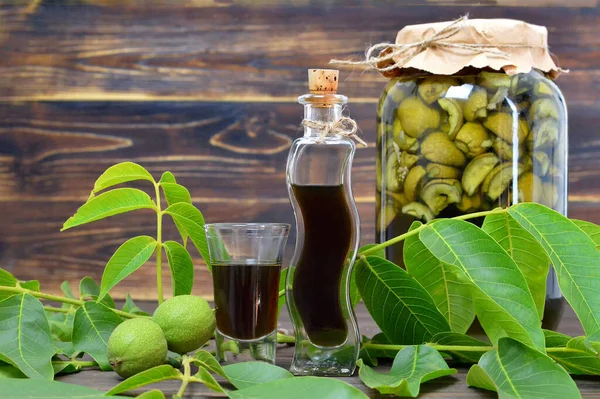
x=33 y=248
x=247 y=52
x=30 y=6
x=230 y=155
x=448 y=387
x=207 y=89
x=58 y=149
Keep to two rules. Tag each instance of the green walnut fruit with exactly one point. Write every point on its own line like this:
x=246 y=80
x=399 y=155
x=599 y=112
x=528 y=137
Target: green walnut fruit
x=501 y=124
x=477 y=170
x=439 y=193
x=136 y=345
x=476 y=105
x=412 y=182
x=544 y=108
x=418 y=210
x=455 y=115
x=473 y=139
x=438 y=148
x=416 y=117
x=493 y=80
x=435 y=87
x=404 y=141
x=187 y=321
x=469 y=203
x=440 y=171
x=530 y=188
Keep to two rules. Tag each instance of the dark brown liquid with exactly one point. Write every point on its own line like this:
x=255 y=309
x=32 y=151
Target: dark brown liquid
x=328 y=234
x=246 y=299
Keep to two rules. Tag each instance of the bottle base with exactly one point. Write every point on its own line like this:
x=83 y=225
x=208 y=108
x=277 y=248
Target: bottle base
x=231 y=350
x=321 y=369
x=315 y=360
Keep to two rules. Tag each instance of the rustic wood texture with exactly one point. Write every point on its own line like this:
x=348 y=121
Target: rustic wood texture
x=447 y=387
x=230 y=155
x=241 y=53
x=207 y=90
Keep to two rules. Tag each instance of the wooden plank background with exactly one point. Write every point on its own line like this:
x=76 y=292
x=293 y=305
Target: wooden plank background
x=207 y=89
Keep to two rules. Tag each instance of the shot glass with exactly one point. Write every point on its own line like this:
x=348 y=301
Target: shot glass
x=246 y=263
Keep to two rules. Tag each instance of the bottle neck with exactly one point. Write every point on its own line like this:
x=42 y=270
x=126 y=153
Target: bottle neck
x=321 y=108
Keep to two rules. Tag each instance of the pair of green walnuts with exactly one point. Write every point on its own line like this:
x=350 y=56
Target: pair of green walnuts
x=181 y=324
x=453 y=141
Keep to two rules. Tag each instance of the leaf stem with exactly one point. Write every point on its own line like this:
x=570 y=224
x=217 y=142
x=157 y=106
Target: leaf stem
x=37 y=294
x=159 y=215
x=187 y=375
x=564 y=349
x=402 y=237
x=129 y=315
x=448 y=348
x=54 y=298
x=285 y=339
x=461 y=348
x=56 y=310
x=496 y=211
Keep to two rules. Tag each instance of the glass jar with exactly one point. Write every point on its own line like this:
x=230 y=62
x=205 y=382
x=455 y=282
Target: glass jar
x=451 y=145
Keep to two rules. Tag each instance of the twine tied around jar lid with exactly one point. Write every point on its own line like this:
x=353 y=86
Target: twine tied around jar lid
x=390 y=57
x=344 y=126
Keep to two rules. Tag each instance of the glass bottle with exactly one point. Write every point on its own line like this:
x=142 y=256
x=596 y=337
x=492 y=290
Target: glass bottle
x=327 y=226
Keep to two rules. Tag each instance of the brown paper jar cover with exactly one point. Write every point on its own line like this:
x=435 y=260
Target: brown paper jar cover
x=510 y=45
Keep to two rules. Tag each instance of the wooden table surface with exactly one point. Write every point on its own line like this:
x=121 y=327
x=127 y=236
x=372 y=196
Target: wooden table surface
x=447 y=387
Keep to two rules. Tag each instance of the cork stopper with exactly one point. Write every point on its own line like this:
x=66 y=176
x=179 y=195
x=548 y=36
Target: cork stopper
x=321 y=81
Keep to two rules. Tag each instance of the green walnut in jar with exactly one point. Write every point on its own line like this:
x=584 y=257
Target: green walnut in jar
x=469 y=132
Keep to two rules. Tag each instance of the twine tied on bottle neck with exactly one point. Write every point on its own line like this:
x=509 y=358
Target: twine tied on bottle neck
x=344 y=126
x=393 y=55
